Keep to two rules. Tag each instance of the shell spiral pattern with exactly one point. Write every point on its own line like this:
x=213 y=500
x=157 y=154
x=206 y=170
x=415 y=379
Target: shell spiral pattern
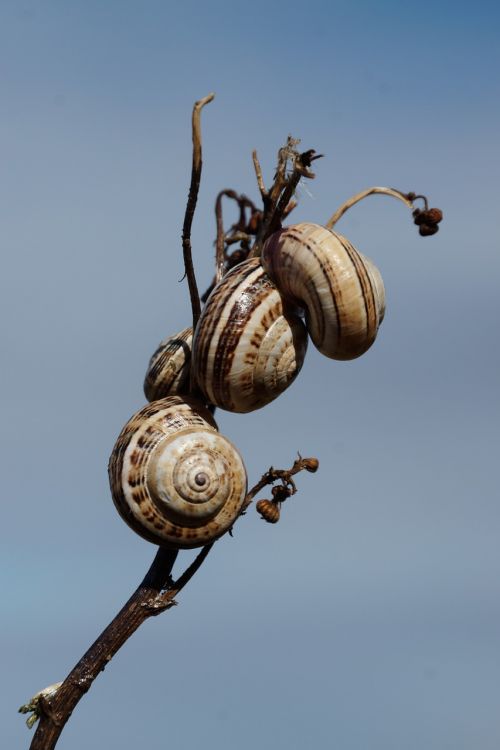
x=174 y=479
x=341 y=290
x=249 y=344
x=168 y=369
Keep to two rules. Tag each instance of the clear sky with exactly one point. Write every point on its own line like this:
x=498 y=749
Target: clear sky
x=368 y=618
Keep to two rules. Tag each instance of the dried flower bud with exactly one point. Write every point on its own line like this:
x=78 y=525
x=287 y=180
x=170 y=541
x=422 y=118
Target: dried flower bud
x=434 y=215
x=281 y=493
x=309 y=156
x=236 y=257
x=268 y=510
x=426 y=230
x=418 y=216
x=254 y=222
x=310 y=464
x=427 y=220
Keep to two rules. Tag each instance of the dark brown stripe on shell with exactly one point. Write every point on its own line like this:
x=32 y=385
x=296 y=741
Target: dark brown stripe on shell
x=365 y=285
x=210 y=317
x=231 y=335
x=335 y=292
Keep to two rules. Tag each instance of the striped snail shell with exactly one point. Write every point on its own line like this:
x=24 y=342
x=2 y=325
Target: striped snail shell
x=341 y=290
x=174 y=479
x=249 y=343
x=168 y=369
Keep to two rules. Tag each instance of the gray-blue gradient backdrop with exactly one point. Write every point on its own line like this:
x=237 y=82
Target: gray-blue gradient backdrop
x=369 y=617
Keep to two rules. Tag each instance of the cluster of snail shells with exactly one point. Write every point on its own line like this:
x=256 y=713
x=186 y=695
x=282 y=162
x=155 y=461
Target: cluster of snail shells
x=174 y=479
x=251 y=339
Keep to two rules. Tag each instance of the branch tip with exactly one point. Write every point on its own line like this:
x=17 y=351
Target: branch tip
x=205 y=100
x=427 y=220
x=190 y=209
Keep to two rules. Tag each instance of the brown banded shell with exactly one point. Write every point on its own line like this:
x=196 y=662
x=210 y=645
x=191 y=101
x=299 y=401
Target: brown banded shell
x=249 y=344
x=341 y=291
x=168 y=369
x=174 y=479
x=269 y=511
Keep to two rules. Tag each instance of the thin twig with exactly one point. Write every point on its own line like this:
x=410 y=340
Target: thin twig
x=302 y=162
x=285 y=154
x=279 y=197
x=191 y=206
x=258 y=174
x=427 y=219
x=232 y=239
x=285 y=475
x=289 y=208
x=219 y=243
x=364 y=194
x=276 y=216
x=240 y=231
x=176 y=586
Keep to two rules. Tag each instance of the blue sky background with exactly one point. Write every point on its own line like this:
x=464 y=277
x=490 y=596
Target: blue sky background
x=369 y=617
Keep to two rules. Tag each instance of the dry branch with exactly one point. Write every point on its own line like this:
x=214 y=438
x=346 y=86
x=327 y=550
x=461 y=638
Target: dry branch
x=191 y=206
x=156 y=592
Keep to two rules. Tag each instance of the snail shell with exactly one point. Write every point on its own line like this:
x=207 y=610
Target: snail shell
x=174 y=479
x=341 y=290
x=168 y=369
x=249 y=344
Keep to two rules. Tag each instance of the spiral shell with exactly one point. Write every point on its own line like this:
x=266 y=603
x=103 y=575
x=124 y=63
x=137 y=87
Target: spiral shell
x=249 y=344
x=174 y=479
x=341 y=290
x=168 y=369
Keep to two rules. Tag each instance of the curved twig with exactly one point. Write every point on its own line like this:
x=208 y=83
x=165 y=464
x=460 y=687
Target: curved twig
x=427 y=219
x=284 y=475
x=404 y=197
x=258 y=175
x=191 y=206
x=220 y=257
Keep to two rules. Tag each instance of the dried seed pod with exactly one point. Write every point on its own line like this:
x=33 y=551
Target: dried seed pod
x=427 y=216
x=311 y=464
x=269 y=511
x=427 y=230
